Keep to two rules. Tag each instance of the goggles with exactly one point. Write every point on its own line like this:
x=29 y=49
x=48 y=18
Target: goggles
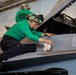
x=35 y=18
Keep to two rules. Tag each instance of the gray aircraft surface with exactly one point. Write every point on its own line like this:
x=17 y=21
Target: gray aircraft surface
x=60 y=60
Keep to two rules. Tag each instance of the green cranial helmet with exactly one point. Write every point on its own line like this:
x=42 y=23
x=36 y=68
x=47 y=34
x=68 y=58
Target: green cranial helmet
x=26 y=6
x=35 y=18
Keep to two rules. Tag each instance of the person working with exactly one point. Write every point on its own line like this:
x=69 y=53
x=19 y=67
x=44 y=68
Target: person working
x=10 y=43
x=23 y=12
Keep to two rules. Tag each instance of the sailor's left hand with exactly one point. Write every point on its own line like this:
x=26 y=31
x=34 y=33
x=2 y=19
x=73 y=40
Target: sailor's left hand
x=50 y=34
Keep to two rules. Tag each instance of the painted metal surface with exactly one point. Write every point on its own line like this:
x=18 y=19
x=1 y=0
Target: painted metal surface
x=62 y=55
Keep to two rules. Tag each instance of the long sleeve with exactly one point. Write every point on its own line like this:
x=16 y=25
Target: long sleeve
x=28 y=33
x=35 y=32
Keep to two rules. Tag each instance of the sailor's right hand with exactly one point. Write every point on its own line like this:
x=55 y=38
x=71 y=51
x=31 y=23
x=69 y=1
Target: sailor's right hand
x=45 y=41
x=48 y=42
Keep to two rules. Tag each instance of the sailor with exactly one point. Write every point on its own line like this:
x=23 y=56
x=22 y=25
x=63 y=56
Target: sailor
x=10 y=43
x=24 y=11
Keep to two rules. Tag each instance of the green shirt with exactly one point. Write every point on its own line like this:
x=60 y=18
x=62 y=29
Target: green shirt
x=22 y=30
x=21 y=15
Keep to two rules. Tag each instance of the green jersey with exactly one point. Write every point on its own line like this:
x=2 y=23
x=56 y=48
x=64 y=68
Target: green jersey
x=21 y=15
x=21 y=30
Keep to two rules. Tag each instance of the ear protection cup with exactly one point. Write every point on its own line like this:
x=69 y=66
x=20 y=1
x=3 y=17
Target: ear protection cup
x=31 y=18
x=28 y=6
